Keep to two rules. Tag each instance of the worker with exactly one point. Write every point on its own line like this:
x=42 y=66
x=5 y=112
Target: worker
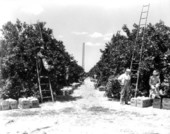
x=154 y=83
x=109 y=86
x=95 y=76
x=124 y=81
x=67 y=76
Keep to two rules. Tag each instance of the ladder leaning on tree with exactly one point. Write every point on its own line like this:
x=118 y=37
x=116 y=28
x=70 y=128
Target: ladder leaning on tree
x=44 y=81
x=45 y=87
x=137 y=51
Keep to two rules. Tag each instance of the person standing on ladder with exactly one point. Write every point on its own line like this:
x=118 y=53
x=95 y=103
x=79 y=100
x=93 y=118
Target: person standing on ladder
x=124 y=81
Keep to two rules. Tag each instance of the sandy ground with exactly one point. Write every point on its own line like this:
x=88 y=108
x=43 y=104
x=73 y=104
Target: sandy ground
x=87 y=111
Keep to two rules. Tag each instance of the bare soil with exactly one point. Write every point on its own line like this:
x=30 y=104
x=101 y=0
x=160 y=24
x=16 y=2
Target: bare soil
x=86 y=111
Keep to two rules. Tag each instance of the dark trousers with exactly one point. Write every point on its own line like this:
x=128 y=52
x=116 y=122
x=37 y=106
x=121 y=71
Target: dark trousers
x=124 y=94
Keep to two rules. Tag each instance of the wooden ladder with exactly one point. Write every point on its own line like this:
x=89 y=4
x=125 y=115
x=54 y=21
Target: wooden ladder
x=45 y=88
x=44 y=82
x=137 y=51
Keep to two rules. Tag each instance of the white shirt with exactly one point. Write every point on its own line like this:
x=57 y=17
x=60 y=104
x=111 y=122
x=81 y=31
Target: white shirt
x=124 y=78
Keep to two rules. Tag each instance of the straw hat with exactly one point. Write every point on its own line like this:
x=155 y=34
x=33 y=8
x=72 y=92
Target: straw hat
x=155 y=72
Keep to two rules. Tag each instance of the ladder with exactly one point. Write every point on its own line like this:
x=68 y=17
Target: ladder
x=44 y=82
x=137 y=51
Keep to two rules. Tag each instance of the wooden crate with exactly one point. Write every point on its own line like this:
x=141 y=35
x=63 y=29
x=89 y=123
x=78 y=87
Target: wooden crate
x=24 y=103
x=13 y=104
x=166 y=103
x=34 y=102
x=5 y=105
x=75 y=85
x=144 y=102
x=157 y=103
x=70 y=90
x=133 y=102
x=67 y=91
x=102 y=88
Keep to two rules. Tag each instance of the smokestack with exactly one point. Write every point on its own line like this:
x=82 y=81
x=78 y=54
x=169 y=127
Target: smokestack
x=83 y=56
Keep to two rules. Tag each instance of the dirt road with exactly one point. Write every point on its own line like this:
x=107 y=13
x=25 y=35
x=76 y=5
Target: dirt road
x=87 y=111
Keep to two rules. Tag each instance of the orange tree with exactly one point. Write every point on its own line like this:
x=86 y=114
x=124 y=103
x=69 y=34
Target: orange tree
x=20 y=45
x=118 y=53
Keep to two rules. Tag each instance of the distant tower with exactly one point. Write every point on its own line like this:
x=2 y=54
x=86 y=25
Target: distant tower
x=83 y=56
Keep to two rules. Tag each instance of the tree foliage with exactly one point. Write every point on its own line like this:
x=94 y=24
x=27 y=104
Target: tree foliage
x=118 y=53
x=21 y=45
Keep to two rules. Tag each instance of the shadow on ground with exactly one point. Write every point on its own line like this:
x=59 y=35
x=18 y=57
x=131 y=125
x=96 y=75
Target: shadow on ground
x=31 y=112
x=67 y=98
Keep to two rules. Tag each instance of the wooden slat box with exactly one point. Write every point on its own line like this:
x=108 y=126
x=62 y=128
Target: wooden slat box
x=70 y=90
x=67 y=91
x=13 y=104
x=166 y=103
x=157 y=103
x=5 y=105
x=75 y=85
x=34 y=103
x=102 y=88
x=144 y=102
x=133 y=102
x=24 y=103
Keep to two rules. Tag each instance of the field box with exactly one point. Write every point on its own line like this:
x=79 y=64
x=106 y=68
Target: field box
x=67 y=91
x=157 y=103
x=102 y=88
x=144 y=102
x=24 y=103
x=166 y=103
x=4 y=105
x=133 y=102
x=34 y=102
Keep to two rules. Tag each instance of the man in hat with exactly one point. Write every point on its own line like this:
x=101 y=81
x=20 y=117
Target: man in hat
x=154 y=83
x=124 y=81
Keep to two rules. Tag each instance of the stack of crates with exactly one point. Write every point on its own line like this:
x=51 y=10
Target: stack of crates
x=30 y=102
x=22 y=103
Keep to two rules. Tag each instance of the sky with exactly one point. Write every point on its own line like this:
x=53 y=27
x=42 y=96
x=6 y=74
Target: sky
x=92 y=22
